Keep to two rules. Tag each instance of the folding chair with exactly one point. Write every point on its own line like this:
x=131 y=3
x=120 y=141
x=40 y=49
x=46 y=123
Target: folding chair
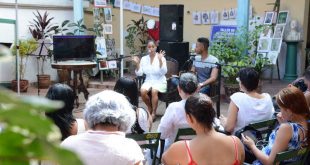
x=147 y=141
x=292 y=157
x=264 y=128
x=185 y=134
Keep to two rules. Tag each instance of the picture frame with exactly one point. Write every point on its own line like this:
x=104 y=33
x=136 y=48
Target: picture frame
x=279 y=30
x=196 y=18
x=269 y=17
x=225 y=14
x=232 y=13
x=108 y=29
x=272 y=56
x=107 y=14
x=205 y=18
x=263 y=44
x=136 y=8
x=282 y=17
x=214 y=15
x=100 y=3
x=276 y=44
x=102 y=65
x=101 y=47
x=112 y=64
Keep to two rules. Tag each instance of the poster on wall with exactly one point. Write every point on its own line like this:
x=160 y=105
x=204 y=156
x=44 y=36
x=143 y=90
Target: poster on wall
x=282 y=17
x=100 y=3
x=196 y=18
x=229 y=29
x=155 y=12
x=117 y=3
x=214 y=17
x=225 y=14
x=107 y=15
x=136 y=8
x=264 y=44
x=101 y=47
x=127 y=5
x=107 y=29
x=147 y=10
x=205 y=18
x=232 y=13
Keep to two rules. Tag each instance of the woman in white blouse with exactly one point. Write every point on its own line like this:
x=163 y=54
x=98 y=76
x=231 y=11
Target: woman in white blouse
x=154 y=67
x=248 y=105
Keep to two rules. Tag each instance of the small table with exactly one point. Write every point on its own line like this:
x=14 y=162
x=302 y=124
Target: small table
x=77 y=67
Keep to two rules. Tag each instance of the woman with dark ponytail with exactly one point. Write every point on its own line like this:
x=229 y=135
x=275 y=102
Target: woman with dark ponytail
x=293 y=131
x=209 y=146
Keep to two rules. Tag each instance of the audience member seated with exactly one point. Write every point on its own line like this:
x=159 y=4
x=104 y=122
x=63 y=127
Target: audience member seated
x=209 y=146
x=175 y=117
x=128 y=87
x=154 y=67
x=248 y=105
x=109 y=115
x=204 y=65
x=292 y=133
x=63 y=117
x=303 y=83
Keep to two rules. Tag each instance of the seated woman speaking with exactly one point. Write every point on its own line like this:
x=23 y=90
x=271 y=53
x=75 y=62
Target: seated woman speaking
x=108 y=115
x=154 y=67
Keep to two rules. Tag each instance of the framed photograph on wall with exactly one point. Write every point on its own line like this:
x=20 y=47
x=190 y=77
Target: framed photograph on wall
x=100 y=3
x=196 y=18
x=225 y=14
x=272 y=56
x=102 y=65
x=205 y=17
x=279 y=30
x=108 y=29
x=282 y=17
x=214 y=15
x=107 y=14
x=264 y=44
x=232 y=13
x=276 y=44
x=269 y=17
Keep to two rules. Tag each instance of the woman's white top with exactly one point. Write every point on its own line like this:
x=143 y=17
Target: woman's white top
x=252 y=109
x=80 y=126
x=154 y=73
x=101 y=147
x=143 y=119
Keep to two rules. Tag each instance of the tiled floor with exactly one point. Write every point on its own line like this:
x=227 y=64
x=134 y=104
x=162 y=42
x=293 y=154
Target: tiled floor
x=96 y=86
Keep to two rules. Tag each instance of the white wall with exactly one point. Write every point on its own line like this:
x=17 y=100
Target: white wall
x=25 y=14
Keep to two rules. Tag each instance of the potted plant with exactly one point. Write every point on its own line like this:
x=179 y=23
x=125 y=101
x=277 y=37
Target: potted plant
x=137 y=37
x=235 y=52
x=25 y=47
x=40 y=29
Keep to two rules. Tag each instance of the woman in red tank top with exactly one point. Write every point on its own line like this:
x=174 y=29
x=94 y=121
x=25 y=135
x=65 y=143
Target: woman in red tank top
x=209 y=146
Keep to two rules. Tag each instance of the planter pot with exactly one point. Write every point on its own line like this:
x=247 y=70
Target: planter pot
x=231 y=89
x=62 y=75
x=23 y=85
x=44 y=81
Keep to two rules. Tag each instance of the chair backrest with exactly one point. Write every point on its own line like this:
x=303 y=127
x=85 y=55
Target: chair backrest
x=185 y=134
x=147 y=141
x=292 y=157
x=264 y=128
x=172 y=67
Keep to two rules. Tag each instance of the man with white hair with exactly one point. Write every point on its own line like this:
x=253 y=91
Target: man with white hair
x=108 y=115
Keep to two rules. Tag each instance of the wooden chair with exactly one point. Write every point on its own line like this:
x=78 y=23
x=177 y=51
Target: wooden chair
x=147 y=141
x=185 y=134
x=300 y=156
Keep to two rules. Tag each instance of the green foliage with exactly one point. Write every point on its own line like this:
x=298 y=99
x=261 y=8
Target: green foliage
x=78 y=27
x=137 y=37
x=26 y=134
x=237 y=51
x=25 y=48
x=41 y=26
